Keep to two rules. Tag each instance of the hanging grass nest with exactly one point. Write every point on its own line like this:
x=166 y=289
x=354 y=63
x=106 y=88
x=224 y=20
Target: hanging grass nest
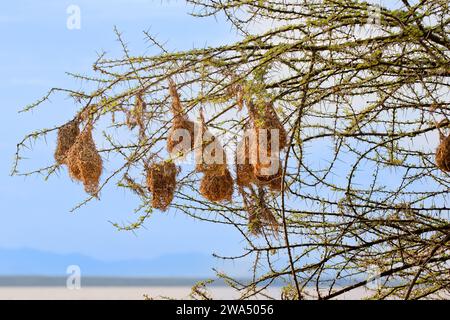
x=217 y=187
x=266 y=163
x=210 y=156
x=259 y=214
x=269 y=173
x=259 y=217
x=249 y=173
x=161 y=182
x=244 y=169
x=182 y=128
x=443 y=154
x=268 y=218
x=135 y=117
x=84 y=161
x=67 y=135
x=264 y=120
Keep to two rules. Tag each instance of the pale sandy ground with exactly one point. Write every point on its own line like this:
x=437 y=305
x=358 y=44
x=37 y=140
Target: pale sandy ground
x=126 y=293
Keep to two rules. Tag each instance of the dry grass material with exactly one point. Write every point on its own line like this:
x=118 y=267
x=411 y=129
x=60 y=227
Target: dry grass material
x=217 y=188
x=254 y=224
x=161 y=182
x=177 y=109
x=259 y=214
x=210 y=156
x=443 y=154
x=249 y=173
x=259 y=217
x=67 y=135
x=237 y=91
x=244 y=169
x=275 y=185
x=182 y=128
x=135 y=117
x=266 y=176
x=268 y=218
x=84 y=162
x=263 y=157
x=265 y=119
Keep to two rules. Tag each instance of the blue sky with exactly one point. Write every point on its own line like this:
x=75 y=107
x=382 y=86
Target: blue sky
x=37 y=50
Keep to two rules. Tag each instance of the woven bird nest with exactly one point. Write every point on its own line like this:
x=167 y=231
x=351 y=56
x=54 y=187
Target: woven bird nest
x=244 y=169
x=259 y=217
x=268 y=173
x=84 y=162
x=259 y=214
x=258 y=173
x=210 y=156
x=217 y=187
x=265 y=160
x=67 y=135
x=135 y=117
x=180 y=140
x=265 y=121
x=161 y=182
x=443 y=154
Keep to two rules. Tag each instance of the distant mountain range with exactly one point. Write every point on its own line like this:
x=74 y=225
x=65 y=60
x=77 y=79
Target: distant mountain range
x=14 y=262
x=30 y=267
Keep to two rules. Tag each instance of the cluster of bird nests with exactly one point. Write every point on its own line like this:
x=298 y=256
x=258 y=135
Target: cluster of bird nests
x=77 y=150
x=161 y=182
x=216 y=184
